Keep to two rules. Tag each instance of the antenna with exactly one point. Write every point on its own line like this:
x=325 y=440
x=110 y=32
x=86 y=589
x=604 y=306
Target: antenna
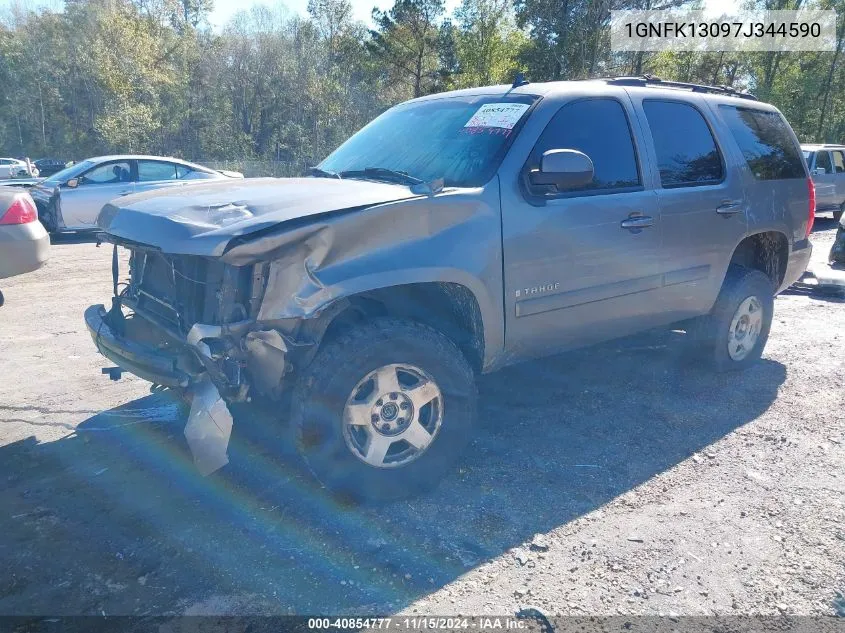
x=519 y=81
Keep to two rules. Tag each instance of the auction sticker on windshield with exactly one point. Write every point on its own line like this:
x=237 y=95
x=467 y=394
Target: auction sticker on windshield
x=499 y=115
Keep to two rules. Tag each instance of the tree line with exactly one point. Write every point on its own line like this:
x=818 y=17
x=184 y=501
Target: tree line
x=150 y=76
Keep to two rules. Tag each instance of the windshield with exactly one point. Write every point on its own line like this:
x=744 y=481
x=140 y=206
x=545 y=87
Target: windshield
x=68 y=172
x=459 y=139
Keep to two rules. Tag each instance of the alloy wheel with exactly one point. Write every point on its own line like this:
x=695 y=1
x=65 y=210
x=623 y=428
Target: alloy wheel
x=392 y=416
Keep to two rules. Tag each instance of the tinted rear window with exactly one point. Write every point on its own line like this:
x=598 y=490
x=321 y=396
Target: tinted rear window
x=766 y=143
x=823 y=162
x=686 y=152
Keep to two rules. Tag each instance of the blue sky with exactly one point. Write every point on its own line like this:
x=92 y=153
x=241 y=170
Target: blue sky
x=225 y=9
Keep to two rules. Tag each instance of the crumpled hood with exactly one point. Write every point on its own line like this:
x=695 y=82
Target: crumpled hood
x=200 y=219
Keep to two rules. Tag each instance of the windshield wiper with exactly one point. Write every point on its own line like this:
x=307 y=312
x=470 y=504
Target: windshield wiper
x=322 y=173
x=381 y=173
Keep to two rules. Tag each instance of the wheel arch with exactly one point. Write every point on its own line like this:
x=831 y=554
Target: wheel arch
x=766 y=251
x=449 y=306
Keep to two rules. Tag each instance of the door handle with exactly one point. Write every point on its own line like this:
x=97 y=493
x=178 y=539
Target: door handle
x=635 y=221
x=125 y=193
x=729 y=208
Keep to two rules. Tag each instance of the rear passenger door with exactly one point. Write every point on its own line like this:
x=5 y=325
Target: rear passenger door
x=838 y=158
x=581 y=265
x=702 y=203
x=824 y=179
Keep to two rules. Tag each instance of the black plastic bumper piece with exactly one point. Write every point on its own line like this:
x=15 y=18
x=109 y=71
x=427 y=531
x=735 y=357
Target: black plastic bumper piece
x=133 y=357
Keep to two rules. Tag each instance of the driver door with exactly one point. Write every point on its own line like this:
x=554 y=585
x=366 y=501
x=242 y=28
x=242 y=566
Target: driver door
x=81 y=205
x=583 y=266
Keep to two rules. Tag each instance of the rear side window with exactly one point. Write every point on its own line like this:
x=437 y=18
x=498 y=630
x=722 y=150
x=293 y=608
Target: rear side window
x=686 y=151
x=838 y=162
x=599 y=128
x=152 y=170
x=766 y=143
x=823 y=162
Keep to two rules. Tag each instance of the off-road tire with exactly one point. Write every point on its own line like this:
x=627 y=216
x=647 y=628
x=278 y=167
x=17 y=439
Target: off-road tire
x=709 y=334
x=322 y=390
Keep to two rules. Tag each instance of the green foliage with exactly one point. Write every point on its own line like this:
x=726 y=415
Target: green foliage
x=406 y=42
x=489 y=44
x=107 y=76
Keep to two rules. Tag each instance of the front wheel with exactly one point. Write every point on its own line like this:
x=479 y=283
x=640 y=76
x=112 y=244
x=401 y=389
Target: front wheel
x=384 y=410
x=733 y=335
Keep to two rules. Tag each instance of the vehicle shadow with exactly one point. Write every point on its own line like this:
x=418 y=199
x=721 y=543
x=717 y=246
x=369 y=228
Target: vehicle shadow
x=833 y=294
x=824 y=224
x=115 y=519
x=76 y=237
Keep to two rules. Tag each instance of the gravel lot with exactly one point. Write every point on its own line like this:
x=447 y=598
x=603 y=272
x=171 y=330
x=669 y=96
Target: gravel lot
x=654 y=486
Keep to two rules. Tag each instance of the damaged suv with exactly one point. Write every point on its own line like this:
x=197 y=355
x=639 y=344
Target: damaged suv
x=453 y=235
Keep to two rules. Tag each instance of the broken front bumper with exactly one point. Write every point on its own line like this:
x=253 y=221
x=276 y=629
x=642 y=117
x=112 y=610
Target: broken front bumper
x=209 y=425
x=143 y=361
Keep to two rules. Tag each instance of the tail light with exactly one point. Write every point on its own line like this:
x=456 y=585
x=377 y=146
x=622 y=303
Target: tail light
x=21 y=211
x=812 y=217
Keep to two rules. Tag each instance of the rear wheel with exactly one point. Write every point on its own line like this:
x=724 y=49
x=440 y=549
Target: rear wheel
x=384 y=410
x=733 y=335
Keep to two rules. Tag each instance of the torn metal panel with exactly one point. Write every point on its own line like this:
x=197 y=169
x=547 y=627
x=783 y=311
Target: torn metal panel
x=266 y=350
x=209 y=428
x=200 y=331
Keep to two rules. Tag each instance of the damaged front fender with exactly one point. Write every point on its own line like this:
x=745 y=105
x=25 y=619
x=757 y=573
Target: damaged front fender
x=312 y=266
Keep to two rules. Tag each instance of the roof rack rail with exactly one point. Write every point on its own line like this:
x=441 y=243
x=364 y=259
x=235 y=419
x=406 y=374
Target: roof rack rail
x=651 y=80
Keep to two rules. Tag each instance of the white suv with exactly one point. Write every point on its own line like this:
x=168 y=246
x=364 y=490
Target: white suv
x=827 y=167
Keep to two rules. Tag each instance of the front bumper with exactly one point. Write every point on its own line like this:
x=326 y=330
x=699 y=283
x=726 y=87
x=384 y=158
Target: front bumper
x=799 y=259
x=158 y=367
x=23 y=248
x=209 y=425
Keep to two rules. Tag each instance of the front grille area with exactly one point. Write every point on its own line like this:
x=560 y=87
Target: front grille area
x=181 y=290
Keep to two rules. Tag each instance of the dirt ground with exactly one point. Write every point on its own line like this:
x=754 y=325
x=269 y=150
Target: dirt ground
x=653 y=486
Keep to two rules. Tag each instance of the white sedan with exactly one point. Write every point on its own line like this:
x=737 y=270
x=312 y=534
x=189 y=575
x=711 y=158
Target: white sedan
x=70 y=200
x=14 y=168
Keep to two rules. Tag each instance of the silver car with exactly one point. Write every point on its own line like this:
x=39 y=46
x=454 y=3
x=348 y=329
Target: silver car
x=24 y=244
x=70 y=200
x=827 y=168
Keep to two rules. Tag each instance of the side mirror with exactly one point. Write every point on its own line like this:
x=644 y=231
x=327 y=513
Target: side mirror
x=73 y=183
x=563 y=169
x=819 y=171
